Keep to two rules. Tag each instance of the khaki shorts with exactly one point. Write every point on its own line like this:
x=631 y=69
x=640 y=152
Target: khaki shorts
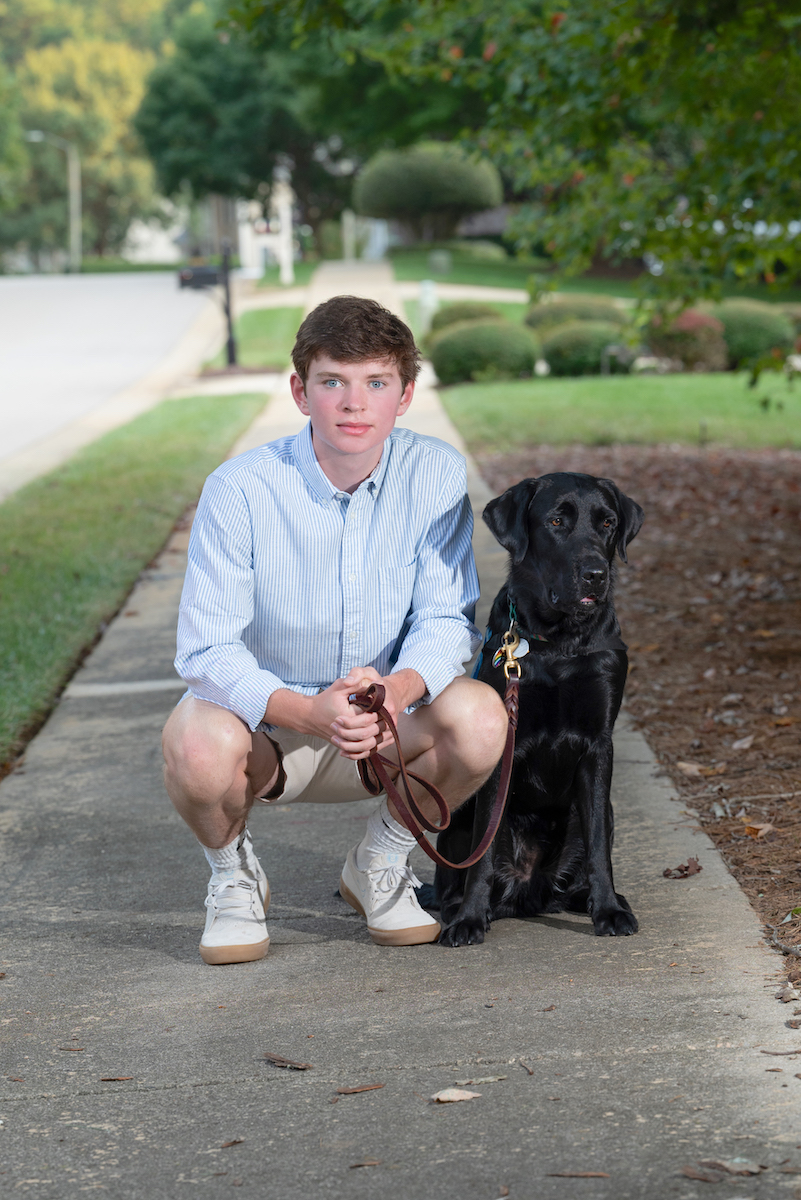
x=312 y=771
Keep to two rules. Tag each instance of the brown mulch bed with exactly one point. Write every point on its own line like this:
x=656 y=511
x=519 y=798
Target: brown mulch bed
x=710 y=606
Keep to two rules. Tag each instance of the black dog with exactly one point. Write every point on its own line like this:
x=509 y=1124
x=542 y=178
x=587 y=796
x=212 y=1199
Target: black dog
x=553 y=849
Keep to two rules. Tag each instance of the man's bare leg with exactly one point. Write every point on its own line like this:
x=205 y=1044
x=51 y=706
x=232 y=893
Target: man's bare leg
x=214 y=769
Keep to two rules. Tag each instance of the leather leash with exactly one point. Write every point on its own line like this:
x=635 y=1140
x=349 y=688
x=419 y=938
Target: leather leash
x=375 y=779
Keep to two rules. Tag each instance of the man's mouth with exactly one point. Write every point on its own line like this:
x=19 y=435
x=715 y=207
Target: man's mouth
x=354 y=430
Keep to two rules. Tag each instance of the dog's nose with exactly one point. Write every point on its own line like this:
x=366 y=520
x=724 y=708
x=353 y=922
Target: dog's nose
x=594 y=576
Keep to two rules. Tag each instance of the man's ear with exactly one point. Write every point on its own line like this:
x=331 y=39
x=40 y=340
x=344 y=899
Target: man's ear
x=298 y=389
x=507 y=517
x=630 y=517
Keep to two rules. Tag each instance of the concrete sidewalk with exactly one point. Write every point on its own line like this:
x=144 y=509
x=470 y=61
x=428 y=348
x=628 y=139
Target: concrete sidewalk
x=133 y=1069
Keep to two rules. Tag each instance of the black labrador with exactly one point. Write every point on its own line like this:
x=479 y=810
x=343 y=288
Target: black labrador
x=553 y=849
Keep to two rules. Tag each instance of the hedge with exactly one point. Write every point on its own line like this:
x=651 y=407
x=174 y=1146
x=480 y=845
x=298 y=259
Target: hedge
x=577 y=348
x=578 y=308
x=752 y=329
x=483 y=350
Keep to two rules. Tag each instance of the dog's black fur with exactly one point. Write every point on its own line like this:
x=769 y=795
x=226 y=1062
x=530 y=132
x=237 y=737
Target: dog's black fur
x=553 y=849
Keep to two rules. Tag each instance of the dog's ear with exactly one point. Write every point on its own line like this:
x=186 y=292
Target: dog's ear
x=507 y=517
x=631 y=518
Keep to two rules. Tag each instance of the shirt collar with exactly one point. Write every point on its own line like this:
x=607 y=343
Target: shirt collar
x=315 y=476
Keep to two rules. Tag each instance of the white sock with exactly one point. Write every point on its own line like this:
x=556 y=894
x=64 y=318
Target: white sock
x=384 y=835
x=235 y=856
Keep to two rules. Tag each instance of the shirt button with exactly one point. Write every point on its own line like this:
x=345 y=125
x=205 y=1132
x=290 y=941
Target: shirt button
x=351 y=577
x=353 y=637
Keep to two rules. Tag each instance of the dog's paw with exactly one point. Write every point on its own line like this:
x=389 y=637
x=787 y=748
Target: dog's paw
x=465 y=932
x=619 y=922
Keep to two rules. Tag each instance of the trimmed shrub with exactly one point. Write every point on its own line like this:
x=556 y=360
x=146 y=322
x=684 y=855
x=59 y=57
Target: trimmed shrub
x=693 y=338
x=429 y=187
x=577 y=348
x=752 y=329
x=463 y=310
x=483 y=350
x=580 y=308
x=793 y=314
x=480 y=248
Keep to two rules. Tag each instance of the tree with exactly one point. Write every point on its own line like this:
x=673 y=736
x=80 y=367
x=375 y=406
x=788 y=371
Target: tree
x=87 y=93
x=666 y=129
x=429 y=187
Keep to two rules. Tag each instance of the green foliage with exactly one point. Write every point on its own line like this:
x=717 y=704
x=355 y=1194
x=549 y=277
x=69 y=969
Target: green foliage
x=633 y=129
x=578 y=347
x=428 y=187
x=462 y=310
x=74 y=542
x=599 y=410
x=694 y=338
x=483 y=350
x=752 y=330
x=77 y=72
x=574 y=308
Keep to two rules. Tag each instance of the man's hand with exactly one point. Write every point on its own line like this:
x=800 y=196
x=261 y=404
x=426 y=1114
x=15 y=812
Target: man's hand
x=329 y=715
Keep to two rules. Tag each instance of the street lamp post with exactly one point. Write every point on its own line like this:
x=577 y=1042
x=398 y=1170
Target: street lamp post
x=73 y=190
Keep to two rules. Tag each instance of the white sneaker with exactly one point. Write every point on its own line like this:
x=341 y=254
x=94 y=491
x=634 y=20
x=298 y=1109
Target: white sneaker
x=237 y=901
x=384 y=894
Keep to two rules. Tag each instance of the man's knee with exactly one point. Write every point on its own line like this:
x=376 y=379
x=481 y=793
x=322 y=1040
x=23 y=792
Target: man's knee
x=472 y=713
x=205 y=748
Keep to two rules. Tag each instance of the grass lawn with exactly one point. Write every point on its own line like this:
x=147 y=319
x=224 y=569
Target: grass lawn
x=598 y=410
x=74 y=542
x=264 y=338
x=303 y=273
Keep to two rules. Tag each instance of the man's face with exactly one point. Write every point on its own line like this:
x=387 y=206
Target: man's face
x=352 y=406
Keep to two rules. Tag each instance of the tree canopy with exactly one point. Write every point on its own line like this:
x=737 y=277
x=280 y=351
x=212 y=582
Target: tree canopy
x=665 y=129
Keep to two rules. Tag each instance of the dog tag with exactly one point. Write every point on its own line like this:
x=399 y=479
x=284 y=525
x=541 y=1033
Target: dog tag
x=520 y=651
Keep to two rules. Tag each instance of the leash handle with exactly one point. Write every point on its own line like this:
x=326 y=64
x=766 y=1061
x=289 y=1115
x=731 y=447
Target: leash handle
x=374 y=777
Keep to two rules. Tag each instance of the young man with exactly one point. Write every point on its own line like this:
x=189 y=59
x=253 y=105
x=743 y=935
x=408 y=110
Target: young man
x=318 y=564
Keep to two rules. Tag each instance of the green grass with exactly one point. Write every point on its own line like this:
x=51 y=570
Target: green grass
x=597 y=410
x=303 y=273
x=102 y=266
x=413 y=264
x=73 y=543
x=264 y=337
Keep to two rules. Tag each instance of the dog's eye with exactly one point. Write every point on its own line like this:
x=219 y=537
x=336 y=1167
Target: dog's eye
x=608 y=523
x=556 y=521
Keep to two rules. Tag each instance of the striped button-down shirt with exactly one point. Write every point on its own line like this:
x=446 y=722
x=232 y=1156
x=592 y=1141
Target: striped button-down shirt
x=290 y=582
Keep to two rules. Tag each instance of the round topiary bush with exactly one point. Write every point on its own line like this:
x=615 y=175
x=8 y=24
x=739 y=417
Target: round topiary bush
x=577 y=348
x=752 y=329
x=579 y=308
x=463 y=310
x=428 y=187
x=693 y=338
x=482 y=350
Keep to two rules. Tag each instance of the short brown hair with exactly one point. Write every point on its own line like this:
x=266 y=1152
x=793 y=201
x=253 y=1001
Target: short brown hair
x=352 y=329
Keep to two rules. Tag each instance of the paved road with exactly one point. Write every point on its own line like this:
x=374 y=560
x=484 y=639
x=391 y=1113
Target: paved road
x=129 y=1067
x=68 y=343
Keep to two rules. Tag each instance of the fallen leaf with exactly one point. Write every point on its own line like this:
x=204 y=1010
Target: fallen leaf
x=550 y=1008
x=779 y=1069
x=483 y=1079
x=720 y=769
x=744 y=743
x=784 y=721
x=73 y=1049
x=795 y=1023
x=361 y=1087
x=692 y=770
x=15 y=1079
x=452 y=1095
x=233 y=1142
x=703 y=1176
x=683 y=871
x=764 y=633
x=577 y=1175
x=760 y=830
x=366 y=1162
x=732 y=1166
x=788 y=994
x=2 y=974
x=115 y=1078
x=278 y=1060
